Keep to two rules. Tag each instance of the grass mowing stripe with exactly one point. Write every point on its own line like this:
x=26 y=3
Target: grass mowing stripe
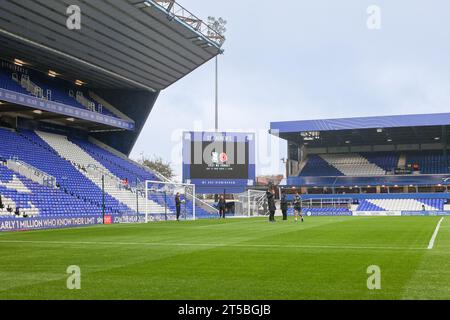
x=212 y=245
x=240 y=259
x=433 y=237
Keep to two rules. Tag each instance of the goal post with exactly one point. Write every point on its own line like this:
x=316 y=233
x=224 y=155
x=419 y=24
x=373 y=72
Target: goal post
x=160 y=200
x=251 y=203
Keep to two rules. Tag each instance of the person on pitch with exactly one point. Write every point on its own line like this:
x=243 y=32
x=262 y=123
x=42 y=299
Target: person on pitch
x=298 y=207
x=222 y=206
x=271 y=204
x=284 y=206
x=178 y=205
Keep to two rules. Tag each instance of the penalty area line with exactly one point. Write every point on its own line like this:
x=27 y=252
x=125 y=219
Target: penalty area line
x=433 y=237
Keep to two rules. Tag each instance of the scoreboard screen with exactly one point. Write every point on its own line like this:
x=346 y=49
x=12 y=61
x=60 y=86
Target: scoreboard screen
x=219 y=159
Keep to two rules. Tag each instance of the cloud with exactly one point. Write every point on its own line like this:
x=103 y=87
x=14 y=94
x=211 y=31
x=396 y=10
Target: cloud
x=308 y=60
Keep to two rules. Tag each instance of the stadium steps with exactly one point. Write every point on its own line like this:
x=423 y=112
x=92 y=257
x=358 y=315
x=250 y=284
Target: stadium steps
x=366 y=205
x=69 y=179
x=18 y=187
x=7 y=202
x=402 y=205
x=40 y=200
x=316 y=166
x=15 y=184
x=353 y=164
x=118 y=165
x=94 y=170
x=31 y=211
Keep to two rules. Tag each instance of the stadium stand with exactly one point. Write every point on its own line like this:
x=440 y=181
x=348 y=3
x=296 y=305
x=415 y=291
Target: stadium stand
x=388 y=161
x=66 y=134
x=374 y=164
x=48 y=88
x=317 y=166
x=89 y=167
x=33 y=199
x=349 y=165
x=122 y=167
x=429 y=162
x=353 y=164
x=78 y=175
x=28 y=147
x=7 y=83
x=395 y=164
x=98 y=162
x=401 y=205
x=327 y=211
x=125 y=169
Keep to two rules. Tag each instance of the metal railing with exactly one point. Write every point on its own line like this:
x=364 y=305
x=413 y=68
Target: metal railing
x=99 y=172
x=89 y=105
x=202 y=204
x=30 y=172
x=132 y=186
x=176 y=11
x=31 y=87
x=327 y=203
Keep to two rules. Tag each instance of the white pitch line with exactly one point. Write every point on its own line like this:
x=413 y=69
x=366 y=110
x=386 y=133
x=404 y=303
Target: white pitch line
x=211 y=245
x=433 y=237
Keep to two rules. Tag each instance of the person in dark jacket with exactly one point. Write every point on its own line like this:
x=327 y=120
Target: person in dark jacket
x=178 y=205
x=284 y=206
x=298 y=207
x=271 y=204
x=222 y=206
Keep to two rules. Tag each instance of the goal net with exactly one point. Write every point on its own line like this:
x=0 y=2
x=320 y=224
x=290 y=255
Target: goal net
x=252 y=203
x=160 y=202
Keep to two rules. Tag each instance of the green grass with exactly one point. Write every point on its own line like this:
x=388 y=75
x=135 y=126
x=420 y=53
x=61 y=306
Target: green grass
x=323 y=258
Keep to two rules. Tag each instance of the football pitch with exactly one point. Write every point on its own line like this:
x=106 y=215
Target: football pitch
x=322 y=258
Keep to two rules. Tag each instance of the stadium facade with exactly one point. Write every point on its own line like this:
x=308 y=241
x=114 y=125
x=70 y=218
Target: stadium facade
x=369 y=165
x=73 y=101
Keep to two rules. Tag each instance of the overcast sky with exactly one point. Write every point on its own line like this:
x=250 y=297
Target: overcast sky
x=296 y=60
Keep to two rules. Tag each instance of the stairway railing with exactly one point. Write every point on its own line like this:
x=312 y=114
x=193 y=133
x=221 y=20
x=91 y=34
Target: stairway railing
x=31 y=172
x=115 y=181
